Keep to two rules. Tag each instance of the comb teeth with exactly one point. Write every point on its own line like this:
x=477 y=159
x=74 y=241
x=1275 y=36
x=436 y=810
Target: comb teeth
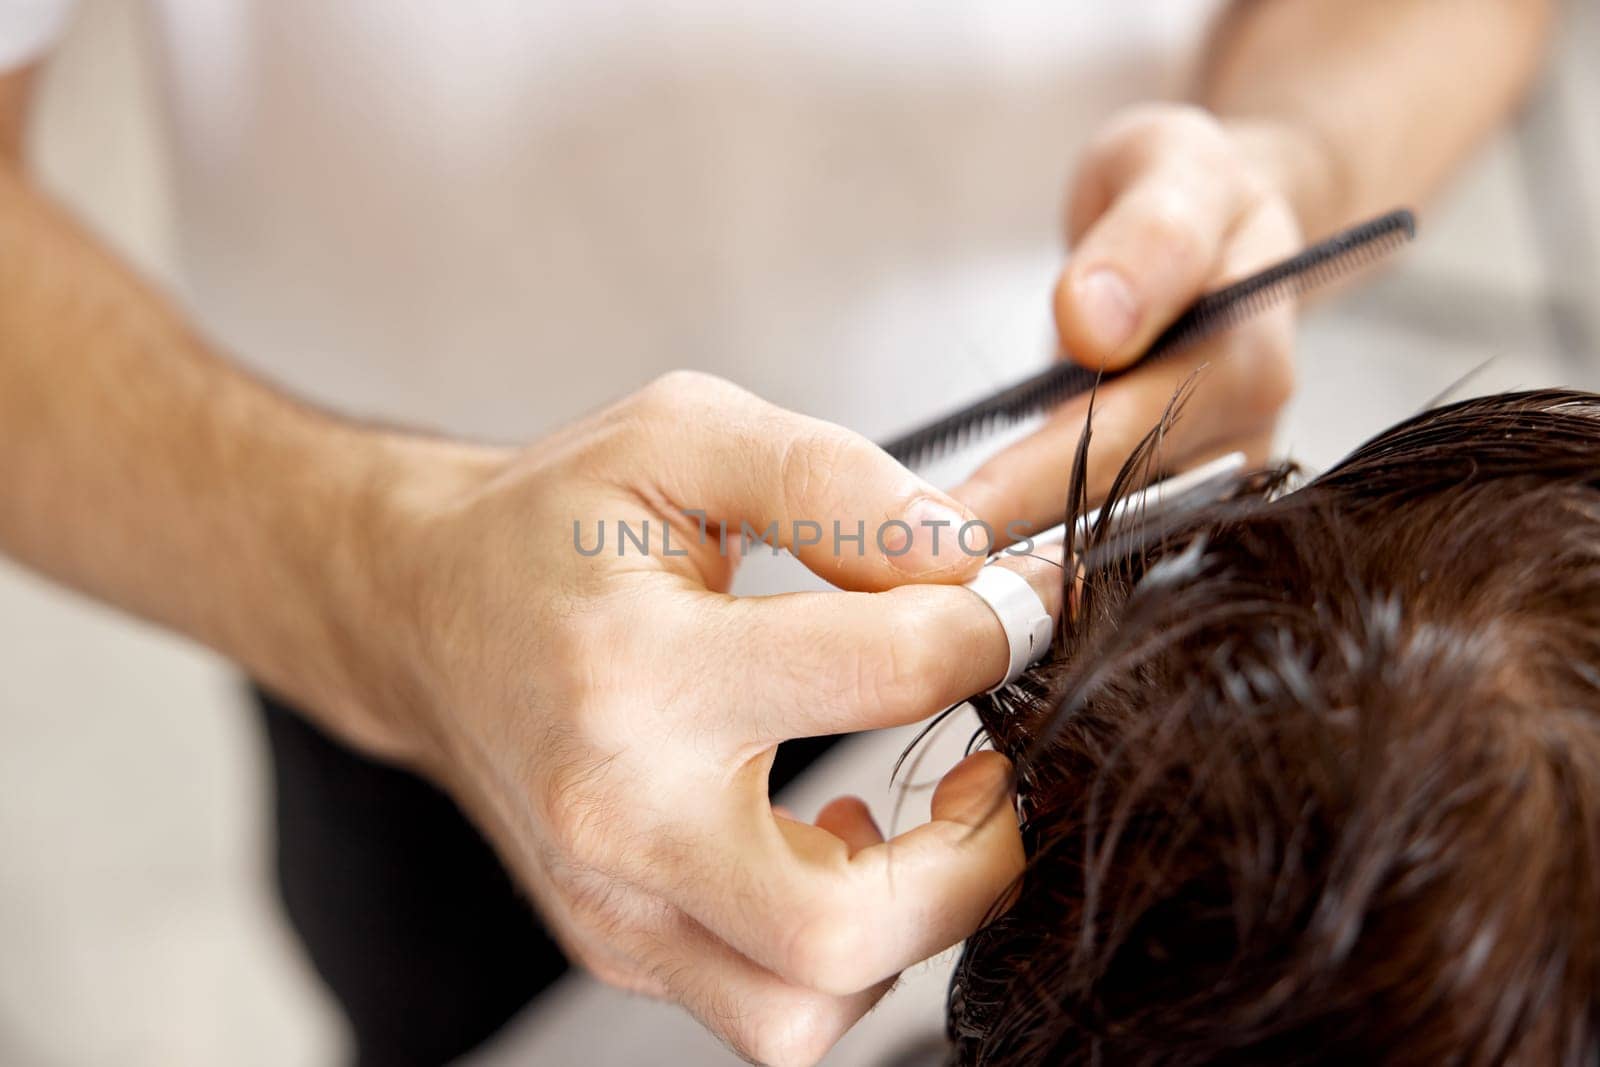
x=1319 y=265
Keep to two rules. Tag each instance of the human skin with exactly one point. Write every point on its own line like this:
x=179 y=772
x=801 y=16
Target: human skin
x=1309 y=116
x=609 y=722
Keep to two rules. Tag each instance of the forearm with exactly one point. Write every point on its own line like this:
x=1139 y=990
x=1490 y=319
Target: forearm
x=1355 y=106
x=145 y=471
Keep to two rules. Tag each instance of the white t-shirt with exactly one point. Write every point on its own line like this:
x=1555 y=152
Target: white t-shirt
x=490 y=216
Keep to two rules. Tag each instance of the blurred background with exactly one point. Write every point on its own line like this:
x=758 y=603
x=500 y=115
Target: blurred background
x=136 y=923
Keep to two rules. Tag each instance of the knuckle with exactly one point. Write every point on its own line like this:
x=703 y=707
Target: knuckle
x=1191 y=124
x=679 y=389
x=626 y=979
x=893 y=677
x=1252 y=186
x=1127 y=130
x=1151 y=127
x=810 y=461
x=790 y=1035
x=1176 y=224
x=824 y=954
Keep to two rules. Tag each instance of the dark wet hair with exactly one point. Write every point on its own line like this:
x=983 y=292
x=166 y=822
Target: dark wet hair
x=1313 y=776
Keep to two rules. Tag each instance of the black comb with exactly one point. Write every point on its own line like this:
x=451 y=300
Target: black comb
x=1227 y=307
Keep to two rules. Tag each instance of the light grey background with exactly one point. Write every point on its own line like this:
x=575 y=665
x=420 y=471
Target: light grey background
x=135 y=922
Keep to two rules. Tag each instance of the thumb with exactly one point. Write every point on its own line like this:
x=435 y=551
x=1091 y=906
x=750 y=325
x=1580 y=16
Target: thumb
x=851 y=513
x=1141 y=264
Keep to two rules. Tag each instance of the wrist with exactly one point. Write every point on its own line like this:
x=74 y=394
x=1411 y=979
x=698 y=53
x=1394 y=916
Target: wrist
x=378 y=600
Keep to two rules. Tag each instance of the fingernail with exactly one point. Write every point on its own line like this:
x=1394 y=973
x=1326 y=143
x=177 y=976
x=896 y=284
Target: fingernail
x=1109 y=309
x=925 y=538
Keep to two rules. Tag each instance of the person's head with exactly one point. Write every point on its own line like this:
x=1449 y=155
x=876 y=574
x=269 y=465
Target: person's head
x=1314 y=776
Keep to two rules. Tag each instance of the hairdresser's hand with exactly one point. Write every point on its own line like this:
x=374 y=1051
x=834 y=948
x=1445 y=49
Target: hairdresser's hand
x=611 y=720
x=1167 y=204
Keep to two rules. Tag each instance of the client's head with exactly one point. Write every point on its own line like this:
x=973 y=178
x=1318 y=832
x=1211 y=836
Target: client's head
x=1314 y=776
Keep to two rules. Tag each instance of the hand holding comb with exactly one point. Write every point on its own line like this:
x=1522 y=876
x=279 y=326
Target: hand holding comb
x=1318 y=265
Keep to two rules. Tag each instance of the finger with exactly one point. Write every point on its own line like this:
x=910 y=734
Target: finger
x=850 y=820
x=849 y=511
x=1026 y=485
x=798 y=902
x=1029 y=480
x=1145 y=260
x=1244 y=379
x=811 y=664
x=762 y=1017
